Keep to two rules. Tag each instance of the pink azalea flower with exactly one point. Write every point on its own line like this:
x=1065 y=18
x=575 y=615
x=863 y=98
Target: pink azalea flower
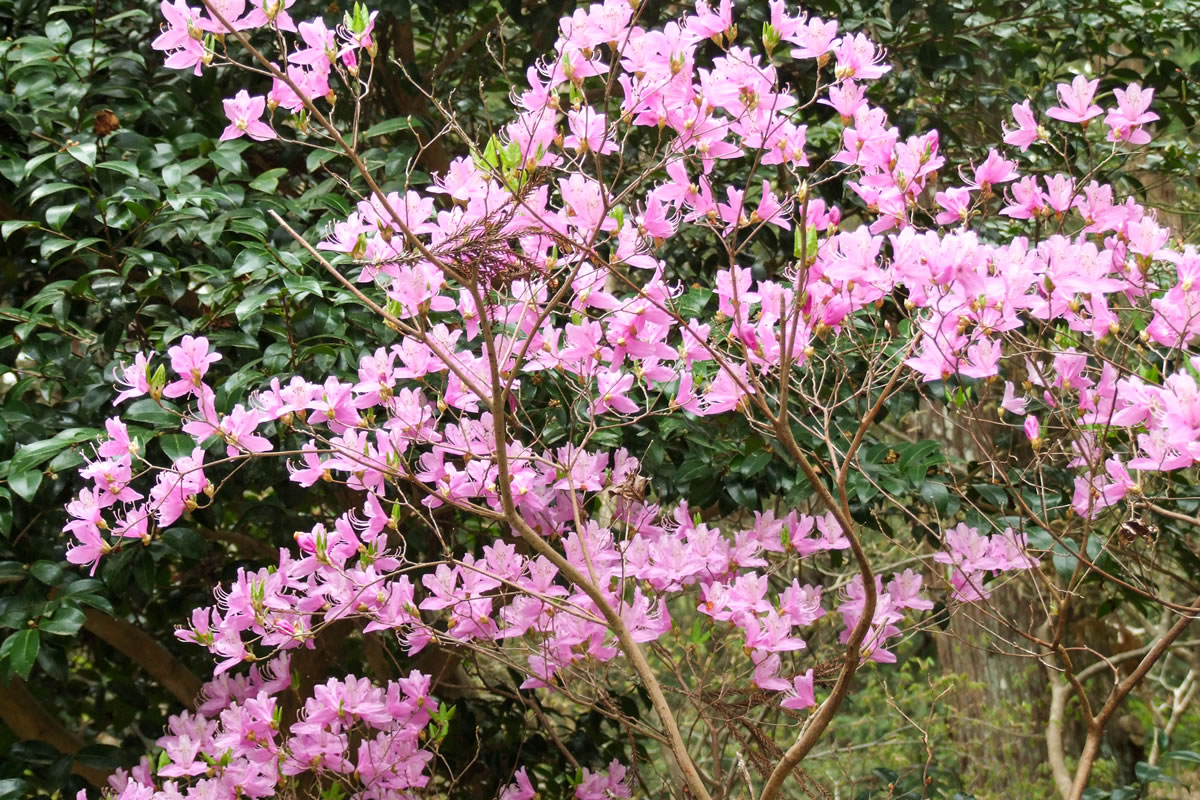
x=956 y=203
x=1076 y=99
x=814 y=39
x=610 y=393
x=190 y=360
x=118 y=444
x=801 y=694
x=182 y=38
x=522 y=789
x=1027 y=131
x=244 y=113
x=136 y=377
x=588 y=132
x=312 y=84
x=1011 y=403
x=1132 y=112
x=230 y=10
x=706 y=24
x=89 y=550
x=1027 y=199
x=857 y=57
x=271 y=12
x=1033 y=431
x=846 y=98
x=1060 y=193
x=905 y=591
x=766 y=672
x=992 y=171
x=322 y=45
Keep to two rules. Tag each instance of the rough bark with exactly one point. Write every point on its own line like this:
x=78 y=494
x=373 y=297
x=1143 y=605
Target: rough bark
x=1002 y=707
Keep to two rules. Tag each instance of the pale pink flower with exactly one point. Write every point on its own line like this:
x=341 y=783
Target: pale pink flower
x=1076 y=99
x=244 y=113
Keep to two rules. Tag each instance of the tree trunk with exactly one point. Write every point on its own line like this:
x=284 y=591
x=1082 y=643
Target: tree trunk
x=1001 y=708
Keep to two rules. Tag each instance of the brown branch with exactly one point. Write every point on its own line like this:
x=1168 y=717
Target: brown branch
x=24 y=716
x=631 y=648
x=1091 y=745
x=158 y=662
x=824 y=714
x=247 y=545
x=1059 y=694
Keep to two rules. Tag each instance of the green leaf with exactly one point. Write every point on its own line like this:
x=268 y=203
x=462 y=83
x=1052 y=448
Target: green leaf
x=47 y=572
x=267 y=181
x=172 y=174
x=254 y=304
x=389 y=126
x=1150 y=773
x=47 y=189
x=936 y=494
x=1064 y=560
x=124 y=167
x=83 y=153
x=147 y=411
x=808 y=243
x=135 y=12
x=512 y=154
x=37 y=453
x=58 y=31
x=81 y=586
x=256 y=228
x=57 y=216
x=692 y=304
x=489 y=159
x=316 y=158
x=25 y=483
x=12 y=788
x=186 y=542
x=32 y=165
x=755 y=463
x=916 y=459
x=66 y=622
x=227 y=160
x=34 y=455
x=97 y=602
x=1188 y=756
x=693 y=467
x=101 y=756
x=21 y=650
x=176 y=445
x=996 y=495
x=9 y=227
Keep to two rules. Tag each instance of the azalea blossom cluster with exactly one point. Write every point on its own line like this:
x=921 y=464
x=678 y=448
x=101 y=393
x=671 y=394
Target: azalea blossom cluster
x=607 y=784
x=500 y=279
x=974 y=555
x=347 y=570
x=189 y=39
x=235 y=745
x=1164 y=420
x=1126 y=122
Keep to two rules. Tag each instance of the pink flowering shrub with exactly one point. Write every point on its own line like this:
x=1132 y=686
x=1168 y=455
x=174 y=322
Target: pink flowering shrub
x=536 y=262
